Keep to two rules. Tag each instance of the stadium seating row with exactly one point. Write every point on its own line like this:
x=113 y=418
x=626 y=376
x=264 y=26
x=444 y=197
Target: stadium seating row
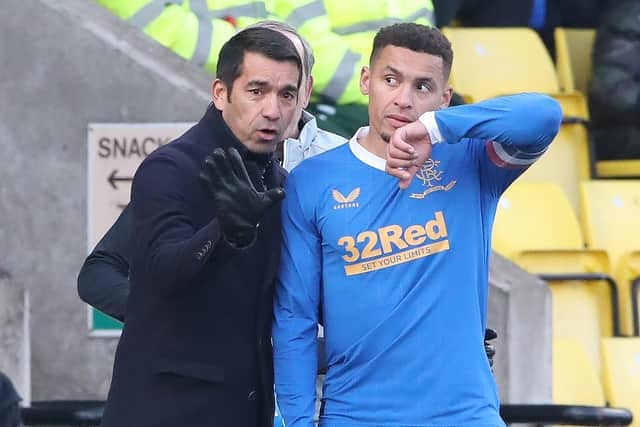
x=591 y=266
x=499 y=61
x=580 y=235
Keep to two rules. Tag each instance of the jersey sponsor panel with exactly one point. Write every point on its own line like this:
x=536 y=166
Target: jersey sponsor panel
x=391 y=245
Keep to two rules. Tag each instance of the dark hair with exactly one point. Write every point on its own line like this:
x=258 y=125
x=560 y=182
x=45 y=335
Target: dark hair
x=416 y=37
x=308 y=60
x=264 y=41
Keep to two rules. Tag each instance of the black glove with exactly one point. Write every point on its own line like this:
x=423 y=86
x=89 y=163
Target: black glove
x=240 y=206
x=489 y=334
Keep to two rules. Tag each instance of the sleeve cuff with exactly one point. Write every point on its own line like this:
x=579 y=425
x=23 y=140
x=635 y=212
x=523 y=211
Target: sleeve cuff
x=428 y=119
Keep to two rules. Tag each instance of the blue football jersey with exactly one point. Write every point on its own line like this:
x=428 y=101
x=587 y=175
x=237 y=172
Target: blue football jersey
x=398 y=277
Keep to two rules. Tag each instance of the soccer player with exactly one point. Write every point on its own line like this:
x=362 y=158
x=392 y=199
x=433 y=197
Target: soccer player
x=399 y=273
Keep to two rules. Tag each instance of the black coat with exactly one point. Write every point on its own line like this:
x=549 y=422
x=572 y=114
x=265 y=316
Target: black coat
x=195 y=349
x=614 y=91
x=103 y=281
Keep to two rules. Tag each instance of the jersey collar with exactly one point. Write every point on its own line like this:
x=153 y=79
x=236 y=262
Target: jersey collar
x=362 y=153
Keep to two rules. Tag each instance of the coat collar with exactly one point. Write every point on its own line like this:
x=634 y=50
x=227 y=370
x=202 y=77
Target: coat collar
x=215 y=133
x=218 y=134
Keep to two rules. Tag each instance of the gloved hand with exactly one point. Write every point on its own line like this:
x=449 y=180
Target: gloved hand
x=240 y=206
x=489 y=334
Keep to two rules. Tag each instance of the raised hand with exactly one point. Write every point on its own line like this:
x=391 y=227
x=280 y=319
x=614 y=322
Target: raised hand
x=240 y=206
x=408 y=148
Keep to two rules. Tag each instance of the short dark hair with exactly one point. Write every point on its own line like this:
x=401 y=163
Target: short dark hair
x=308 y=60
x=416 y=37
x=264 y=41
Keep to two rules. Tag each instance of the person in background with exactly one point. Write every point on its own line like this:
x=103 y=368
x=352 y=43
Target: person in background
x=614 y=90
x=542 y=16
x=195 y=30
x=339 y=32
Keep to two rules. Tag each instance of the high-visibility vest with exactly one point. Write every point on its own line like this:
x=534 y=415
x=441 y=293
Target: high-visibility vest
x=341 y=34
x=194 y=29
x=241 y=13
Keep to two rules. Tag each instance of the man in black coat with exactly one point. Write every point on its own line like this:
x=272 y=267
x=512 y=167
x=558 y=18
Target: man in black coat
x=195 y=350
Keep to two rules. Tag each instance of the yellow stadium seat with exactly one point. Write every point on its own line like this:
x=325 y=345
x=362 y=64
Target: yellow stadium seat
x=611 y=221
x=536 y=228
x=611 y=215
x=631 y=272
x=498 y=61
x=575 y=379
x=621 y=374
x=535 y=216
x=582 y=313
x=573 y=58
x=567 y=161
x=559 y=261
x=492 y=62
x=618 y=169
x=573 y=105
x=628 y=276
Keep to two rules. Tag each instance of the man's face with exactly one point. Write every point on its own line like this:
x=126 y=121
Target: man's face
x=262 y=103
x=402 y=85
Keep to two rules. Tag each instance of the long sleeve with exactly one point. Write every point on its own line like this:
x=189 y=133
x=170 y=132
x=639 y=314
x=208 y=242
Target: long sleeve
x=173 y=250
x=103 y=281
x=509 y=133
x=522 y=125
x=296 y=306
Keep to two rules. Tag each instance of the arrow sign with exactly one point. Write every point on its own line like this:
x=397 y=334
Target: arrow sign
x=113 y=179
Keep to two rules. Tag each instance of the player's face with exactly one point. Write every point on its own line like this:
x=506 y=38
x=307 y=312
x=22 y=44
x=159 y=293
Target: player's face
x=402 y=85
x=263 y=101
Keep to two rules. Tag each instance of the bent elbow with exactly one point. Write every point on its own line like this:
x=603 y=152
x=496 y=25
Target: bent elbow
x=544 y=117
x=551 y=112
x=83 y=283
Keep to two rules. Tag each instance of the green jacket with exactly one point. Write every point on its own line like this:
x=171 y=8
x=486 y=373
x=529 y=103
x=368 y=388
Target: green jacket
x=341 y=34
x=194 y=29
x=339 y=31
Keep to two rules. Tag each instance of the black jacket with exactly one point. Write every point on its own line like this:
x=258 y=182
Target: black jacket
x=9 y=403
x=614 y=92
x=103 y=281
x=195 y=349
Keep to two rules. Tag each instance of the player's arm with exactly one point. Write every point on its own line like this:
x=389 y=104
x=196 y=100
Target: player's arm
x=517 y=130
x=296 y=305
x=103 y=281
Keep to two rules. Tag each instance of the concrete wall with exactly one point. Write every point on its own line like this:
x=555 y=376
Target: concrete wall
x=15 y=354
x=64 y=64
x=520 y=311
